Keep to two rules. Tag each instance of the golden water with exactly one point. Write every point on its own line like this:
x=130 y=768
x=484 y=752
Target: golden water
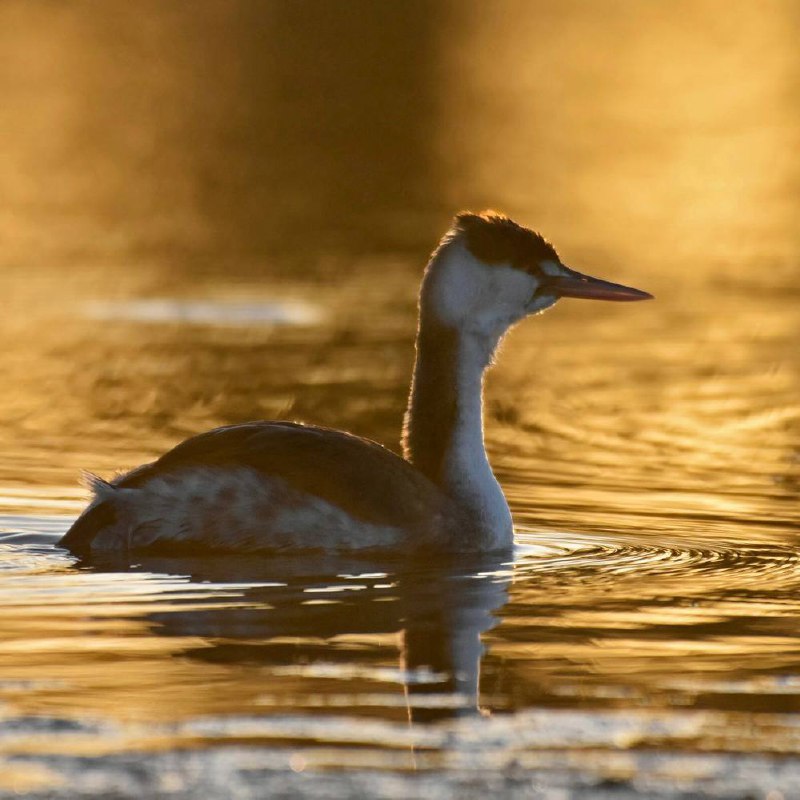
x=222 y=215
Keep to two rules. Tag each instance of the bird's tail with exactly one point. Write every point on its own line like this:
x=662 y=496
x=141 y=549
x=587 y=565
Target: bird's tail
x=102 y=489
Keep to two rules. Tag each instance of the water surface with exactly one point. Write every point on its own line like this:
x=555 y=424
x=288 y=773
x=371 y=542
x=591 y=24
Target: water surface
x=221 y=216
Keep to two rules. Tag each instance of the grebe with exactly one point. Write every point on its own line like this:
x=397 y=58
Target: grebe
x=283 y=485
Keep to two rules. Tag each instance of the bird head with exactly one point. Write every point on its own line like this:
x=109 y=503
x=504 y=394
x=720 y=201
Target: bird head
x=490 y=272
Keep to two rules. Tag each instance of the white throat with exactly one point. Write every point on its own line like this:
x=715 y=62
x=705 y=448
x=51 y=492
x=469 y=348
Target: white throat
x=466 y=472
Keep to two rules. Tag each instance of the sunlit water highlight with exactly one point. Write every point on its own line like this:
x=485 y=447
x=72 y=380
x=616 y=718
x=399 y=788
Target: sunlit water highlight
x=204 y=312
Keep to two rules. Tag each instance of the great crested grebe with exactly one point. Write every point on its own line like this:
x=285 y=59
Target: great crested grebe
x=282 y=485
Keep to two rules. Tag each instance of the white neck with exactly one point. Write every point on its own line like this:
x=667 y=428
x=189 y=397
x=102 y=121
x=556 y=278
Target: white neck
x=444 y=425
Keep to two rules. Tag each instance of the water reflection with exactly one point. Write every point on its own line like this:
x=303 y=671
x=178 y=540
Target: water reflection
x=296 y=610
x=632 y=650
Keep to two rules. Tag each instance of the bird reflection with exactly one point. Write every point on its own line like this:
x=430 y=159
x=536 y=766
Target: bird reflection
x=286 y=611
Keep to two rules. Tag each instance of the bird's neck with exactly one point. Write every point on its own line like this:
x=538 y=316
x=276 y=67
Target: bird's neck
x=443 y=434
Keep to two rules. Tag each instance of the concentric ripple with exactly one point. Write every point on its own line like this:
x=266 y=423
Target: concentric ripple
x=735 y=564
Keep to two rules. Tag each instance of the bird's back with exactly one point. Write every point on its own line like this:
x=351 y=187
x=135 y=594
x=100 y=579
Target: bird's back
x=270 y=485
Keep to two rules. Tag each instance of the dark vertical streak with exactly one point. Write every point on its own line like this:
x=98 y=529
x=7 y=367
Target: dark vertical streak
x=432 y=405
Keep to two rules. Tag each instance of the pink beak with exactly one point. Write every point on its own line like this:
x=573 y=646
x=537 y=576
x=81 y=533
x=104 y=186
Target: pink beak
x=576 y=284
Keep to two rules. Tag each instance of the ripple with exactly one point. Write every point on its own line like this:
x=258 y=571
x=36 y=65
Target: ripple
x=738 y=564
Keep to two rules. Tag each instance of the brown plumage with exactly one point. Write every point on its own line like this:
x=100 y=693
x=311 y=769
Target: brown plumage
x=496 y=239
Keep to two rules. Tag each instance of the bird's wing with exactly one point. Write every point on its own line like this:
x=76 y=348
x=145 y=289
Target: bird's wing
x=360 y=476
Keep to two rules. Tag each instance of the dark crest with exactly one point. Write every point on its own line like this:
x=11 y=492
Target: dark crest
x=496 y=239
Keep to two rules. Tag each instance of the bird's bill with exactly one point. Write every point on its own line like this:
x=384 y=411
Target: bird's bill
x=571 y=283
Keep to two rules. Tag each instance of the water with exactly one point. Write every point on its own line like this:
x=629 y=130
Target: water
x=222 y=215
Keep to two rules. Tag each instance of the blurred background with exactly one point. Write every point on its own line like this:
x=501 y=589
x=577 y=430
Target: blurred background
x=220 y=210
